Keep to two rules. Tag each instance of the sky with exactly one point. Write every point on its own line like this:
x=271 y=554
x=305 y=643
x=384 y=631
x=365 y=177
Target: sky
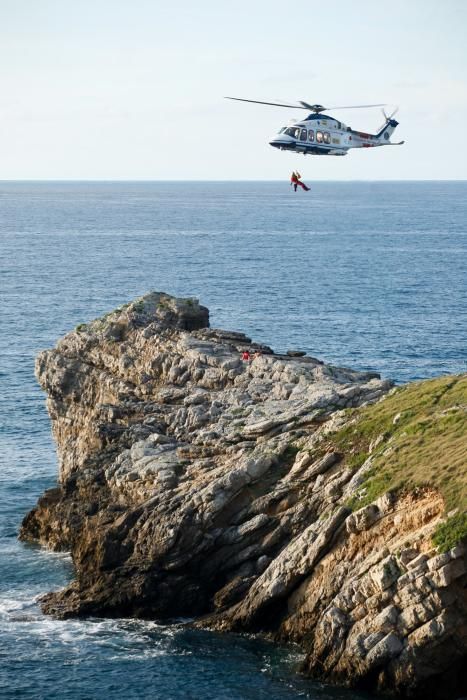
x=120 y=90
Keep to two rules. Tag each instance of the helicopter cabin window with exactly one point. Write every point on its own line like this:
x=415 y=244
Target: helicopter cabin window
x=327 y=137
x=303 y=135
x=311 y=135
x=319 y=136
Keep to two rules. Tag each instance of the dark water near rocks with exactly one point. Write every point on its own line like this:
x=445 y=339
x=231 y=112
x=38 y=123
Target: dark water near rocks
x=370 y=275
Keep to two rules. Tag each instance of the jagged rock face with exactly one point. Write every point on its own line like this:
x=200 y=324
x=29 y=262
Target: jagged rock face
x=189 y=485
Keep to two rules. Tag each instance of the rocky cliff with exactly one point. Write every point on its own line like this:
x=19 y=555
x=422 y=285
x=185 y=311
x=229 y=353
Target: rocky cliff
x=277 y=494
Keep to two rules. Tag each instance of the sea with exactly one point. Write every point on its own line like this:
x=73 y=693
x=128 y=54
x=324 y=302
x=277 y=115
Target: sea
x=370 y=275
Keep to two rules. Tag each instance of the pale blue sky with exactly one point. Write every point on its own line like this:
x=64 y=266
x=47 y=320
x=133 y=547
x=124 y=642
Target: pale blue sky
x=113 y=89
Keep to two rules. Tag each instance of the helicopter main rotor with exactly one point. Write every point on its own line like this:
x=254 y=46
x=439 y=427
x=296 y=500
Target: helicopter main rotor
x=317 y=109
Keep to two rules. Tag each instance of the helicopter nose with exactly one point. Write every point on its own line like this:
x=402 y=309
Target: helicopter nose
x=282 y=141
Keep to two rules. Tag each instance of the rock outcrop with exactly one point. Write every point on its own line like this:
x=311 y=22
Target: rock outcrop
x=193 y=483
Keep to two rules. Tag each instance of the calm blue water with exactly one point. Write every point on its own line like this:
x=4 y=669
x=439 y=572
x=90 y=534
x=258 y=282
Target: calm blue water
x=370 y=275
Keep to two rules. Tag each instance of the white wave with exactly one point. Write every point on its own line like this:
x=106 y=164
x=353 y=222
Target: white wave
x=125 y=638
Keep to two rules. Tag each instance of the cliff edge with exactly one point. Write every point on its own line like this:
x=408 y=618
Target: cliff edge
x=277 y=494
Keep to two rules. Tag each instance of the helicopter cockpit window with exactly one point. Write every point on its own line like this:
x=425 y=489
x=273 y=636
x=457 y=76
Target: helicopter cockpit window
x=319 y=136
x=293 y=131
x=282 y=130
x=303 y=135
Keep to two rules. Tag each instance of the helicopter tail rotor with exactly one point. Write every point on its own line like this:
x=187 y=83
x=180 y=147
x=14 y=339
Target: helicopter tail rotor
x=387 y=118
x=384 y=132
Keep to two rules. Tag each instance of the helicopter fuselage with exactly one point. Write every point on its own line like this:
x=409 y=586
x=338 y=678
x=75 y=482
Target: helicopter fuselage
x=322 y=135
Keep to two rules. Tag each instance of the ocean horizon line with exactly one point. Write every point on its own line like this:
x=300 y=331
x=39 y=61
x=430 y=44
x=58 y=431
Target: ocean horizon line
x=219 y=181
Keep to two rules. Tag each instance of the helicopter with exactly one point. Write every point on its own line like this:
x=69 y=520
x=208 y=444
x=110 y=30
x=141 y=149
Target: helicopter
x=321 y=135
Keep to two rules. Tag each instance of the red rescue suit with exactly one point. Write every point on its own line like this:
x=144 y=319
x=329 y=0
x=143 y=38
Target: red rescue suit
x=295 y=181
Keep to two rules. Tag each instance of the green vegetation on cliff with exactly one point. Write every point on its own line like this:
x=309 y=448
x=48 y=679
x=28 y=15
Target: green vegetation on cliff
x=419 y=436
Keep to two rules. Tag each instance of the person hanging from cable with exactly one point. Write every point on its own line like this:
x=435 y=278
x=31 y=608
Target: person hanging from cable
x=295 y=180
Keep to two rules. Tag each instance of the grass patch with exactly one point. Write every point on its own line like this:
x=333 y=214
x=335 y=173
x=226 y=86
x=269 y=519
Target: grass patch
x=426 y=446
x=451 y=532
x=356 y=459
x=375 y=485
